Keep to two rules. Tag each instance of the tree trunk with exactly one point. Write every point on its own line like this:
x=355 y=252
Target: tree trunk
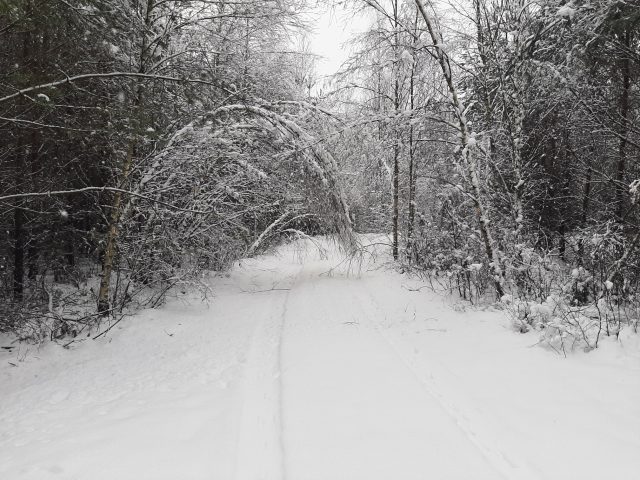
x=116 y=207
x=621 y=187
x=396 y=143
x=112 y=237
x=396 y=174
x=468 y=161
x=585 y=212
x=19 y=235
x=412 y=171
x=18 y=252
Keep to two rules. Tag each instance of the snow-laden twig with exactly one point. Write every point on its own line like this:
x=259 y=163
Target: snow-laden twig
x=90 y=76
x=270 y=228
x=52 y=193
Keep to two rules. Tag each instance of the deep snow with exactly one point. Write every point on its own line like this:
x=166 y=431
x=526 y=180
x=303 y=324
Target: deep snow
x=296 y=371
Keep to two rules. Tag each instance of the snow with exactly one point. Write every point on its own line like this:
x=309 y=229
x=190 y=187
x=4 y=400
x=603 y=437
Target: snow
x=113 y=49
x=302 y=369
x=566 y=11
x=633 y=190
x=406 y=57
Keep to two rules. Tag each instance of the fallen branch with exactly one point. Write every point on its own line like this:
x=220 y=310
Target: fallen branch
x=110 y=327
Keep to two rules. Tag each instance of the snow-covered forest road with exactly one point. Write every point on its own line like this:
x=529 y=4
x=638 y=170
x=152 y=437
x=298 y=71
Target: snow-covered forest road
x=299 y=371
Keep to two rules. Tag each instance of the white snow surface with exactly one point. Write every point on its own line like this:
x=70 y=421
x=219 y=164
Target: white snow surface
x=296 y=370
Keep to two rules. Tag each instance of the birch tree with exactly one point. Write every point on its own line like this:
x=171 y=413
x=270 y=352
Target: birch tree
x=468 y=150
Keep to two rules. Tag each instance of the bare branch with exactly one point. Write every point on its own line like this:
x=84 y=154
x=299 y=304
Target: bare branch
x=52 y=193
x=90 y=76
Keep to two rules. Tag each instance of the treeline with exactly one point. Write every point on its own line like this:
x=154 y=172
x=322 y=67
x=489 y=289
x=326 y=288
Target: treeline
x=504 y=140
x=146 y=142
x=143 y=142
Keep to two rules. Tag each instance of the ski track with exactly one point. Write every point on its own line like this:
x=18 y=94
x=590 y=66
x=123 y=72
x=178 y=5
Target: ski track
x=365 y=341
x=489 y=448
x=329 y=357
x=338 y=357
x=260 y=451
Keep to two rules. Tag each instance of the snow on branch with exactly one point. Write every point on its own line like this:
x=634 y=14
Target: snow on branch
x=319 y=162
x=90 y=76
x=53 y=193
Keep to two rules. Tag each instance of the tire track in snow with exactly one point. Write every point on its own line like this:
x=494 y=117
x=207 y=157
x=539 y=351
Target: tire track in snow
x=490 y=450
x=260 y=450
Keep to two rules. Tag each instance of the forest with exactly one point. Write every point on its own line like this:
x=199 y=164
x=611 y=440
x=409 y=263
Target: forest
x=145 y=143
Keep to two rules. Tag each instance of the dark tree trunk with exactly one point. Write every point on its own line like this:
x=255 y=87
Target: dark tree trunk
x=621 y=188
x=18 y=252
x=396 y=144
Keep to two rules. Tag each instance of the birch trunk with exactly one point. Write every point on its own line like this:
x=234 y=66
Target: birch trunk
x=467 y=145
x=113 y=231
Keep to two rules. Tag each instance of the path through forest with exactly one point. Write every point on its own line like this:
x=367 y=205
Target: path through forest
x=327 y=389
x=301 y=371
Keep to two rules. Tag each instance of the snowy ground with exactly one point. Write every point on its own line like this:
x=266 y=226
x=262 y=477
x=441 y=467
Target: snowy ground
x=293 y=372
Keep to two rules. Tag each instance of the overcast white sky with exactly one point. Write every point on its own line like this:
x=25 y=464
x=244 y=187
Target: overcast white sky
x=333 y=29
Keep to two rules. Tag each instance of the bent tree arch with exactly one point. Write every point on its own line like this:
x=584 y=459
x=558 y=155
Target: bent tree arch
x=225 y=174
x=321 y=163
